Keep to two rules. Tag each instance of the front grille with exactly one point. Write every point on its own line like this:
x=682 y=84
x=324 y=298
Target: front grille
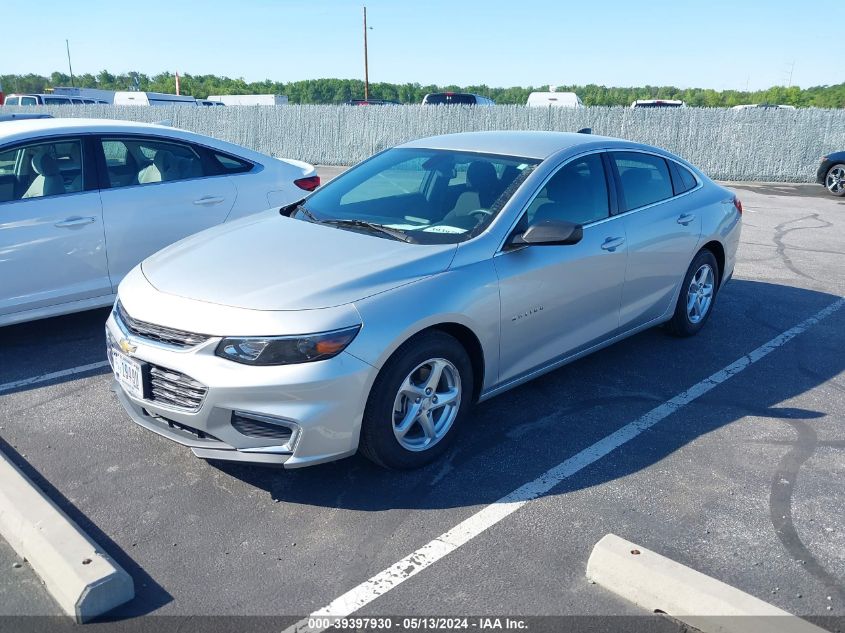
x=176 y=390
x=259 y=428
x=158 y=333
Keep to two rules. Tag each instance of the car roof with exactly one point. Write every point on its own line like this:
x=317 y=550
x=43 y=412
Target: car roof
x=23 y=130
x=528 y=144
x=27 y=127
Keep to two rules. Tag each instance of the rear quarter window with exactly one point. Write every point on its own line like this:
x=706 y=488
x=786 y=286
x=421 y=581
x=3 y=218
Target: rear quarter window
x=685 y=180
x=231 y=165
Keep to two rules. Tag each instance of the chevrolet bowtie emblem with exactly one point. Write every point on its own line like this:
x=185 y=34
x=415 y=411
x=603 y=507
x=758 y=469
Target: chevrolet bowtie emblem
x=126 y=346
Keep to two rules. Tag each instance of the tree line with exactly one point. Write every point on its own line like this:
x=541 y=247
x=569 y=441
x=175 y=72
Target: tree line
x=327 y=91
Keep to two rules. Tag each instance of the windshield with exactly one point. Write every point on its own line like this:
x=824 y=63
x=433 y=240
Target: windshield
x=430 y=196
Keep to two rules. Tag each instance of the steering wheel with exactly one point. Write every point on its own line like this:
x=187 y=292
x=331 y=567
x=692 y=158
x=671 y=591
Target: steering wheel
x=482 y=213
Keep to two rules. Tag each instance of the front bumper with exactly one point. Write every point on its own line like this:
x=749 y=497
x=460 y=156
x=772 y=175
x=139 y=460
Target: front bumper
x=316 y=407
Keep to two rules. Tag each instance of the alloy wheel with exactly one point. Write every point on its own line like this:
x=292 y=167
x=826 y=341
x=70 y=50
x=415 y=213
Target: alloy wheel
x=835 y=181
x=700 y=293
x=427 y=404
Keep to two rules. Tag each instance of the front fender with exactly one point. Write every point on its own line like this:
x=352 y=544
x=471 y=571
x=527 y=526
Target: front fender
x=468 y=296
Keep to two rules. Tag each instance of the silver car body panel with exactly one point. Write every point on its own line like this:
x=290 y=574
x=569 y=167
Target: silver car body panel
x=529 y=309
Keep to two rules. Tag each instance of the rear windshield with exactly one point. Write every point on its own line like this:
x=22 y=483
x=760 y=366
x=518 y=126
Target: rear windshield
x=451 y=98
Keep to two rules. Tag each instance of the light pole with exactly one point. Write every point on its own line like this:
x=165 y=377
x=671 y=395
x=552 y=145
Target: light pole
x=366 y=65
x=70 y=68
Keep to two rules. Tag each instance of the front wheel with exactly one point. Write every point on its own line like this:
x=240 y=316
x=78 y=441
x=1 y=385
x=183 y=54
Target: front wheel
x=418 y=402
x=834 y=181
x=698 y=292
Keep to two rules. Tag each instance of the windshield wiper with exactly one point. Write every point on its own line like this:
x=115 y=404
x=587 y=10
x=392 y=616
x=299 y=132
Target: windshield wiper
x=396 y=234
x=296 y=207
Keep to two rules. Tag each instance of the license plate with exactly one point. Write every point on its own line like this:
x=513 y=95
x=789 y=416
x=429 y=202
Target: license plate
x=128 y=373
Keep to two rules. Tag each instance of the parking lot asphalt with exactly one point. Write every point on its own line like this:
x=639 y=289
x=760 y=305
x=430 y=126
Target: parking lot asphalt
x=743 y=483
x=21 y=591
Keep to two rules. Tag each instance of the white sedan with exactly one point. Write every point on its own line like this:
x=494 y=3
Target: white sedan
x=82 y=201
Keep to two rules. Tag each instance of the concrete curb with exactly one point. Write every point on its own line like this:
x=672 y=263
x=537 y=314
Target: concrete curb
x=659 y=584
x=82 y=579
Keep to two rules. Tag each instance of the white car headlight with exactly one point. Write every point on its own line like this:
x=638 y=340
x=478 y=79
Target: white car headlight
x=286 y=350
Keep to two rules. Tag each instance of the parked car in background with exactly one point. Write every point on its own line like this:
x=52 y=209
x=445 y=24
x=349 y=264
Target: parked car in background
x=366 y=102
x=554 y=99
x=831 y=173
x=37 y=99
x=208 y=102
x=456 y=98
x=435 y=274
x=139 y=98
x=82 y=201
x=249 y=100
x=92 y=95
x=763 y=106
x=658 y=103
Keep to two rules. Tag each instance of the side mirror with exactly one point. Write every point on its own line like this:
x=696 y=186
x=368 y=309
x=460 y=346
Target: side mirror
x=550 y=233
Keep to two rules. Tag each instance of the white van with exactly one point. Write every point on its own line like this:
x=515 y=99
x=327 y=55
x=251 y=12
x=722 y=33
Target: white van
x=126 y=97
x=37 y=99
x=554 y=99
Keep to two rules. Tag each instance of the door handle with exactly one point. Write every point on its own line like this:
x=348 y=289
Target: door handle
x=686 y=218
x=74 y=221
x=612 y=243
x=207 y=201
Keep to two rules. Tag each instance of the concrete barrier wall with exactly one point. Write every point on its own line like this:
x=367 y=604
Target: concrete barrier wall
x=768 y=145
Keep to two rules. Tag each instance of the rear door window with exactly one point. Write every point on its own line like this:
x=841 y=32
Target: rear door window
x=145 y=161
x=645 y=178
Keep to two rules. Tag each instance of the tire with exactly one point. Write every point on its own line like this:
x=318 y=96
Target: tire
x=834 y=180
x=392 y=435
x=697 y=296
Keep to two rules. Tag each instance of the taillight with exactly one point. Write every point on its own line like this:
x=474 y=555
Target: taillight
x=309 y=184
x=738 y=205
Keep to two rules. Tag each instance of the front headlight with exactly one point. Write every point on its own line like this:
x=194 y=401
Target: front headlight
x=286 y=350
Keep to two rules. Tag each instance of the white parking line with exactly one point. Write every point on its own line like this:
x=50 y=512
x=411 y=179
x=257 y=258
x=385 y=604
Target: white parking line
x=465 y=531
x=56 y=374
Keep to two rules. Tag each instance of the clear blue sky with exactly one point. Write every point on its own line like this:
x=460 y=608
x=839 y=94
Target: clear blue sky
x=721 y=44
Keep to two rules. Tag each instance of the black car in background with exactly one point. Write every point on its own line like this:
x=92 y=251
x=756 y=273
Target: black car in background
x=831 y=173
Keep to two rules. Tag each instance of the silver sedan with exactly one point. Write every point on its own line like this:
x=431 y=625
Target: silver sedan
x=371 y=315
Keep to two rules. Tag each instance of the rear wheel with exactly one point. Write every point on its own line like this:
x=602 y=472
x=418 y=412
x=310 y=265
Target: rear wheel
x=834 y=181
x=698 y=293
x=418 y=402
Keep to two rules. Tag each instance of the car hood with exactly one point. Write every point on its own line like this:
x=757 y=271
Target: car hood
x=271 y=262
